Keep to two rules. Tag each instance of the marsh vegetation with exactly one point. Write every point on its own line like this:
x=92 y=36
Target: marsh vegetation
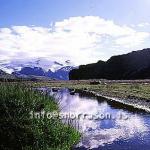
x=19 y=131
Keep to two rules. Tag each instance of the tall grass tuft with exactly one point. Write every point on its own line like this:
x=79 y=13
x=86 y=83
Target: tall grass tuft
x=19 y=131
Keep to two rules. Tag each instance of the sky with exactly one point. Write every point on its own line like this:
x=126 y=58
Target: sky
x=82 y=31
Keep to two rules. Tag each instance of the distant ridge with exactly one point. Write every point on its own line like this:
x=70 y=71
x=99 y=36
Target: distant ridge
x=4 y=75
x=134 y=65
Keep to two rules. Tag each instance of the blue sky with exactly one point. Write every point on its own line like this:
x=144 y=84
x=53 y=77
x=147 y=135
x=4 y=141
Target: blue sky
x=83 y=31
x=42 y=12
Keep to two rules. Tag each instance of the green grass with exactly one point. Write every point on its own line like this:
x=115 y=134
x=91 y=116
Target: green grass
x=18 y=131
x=119 y=90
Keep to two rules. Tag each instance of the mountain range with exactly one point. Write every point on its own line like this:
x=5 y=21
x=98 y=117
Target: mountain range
x=60 y=74
x=38 y=68
x=134 y=65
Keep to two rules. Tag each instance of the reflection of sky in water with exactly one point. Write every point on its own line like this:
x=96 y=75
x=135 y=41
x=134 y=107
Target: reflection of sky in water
x=101 y=132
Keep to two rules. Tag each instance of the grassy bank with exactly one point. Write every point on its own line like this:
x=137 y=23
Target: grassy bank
x=19 y=131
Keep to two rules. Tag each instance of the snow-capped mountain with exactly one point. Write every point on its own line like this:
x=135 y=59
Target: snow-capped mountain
x=60 y=74
x=38 y=67
x=63 y=73
x=45 y=64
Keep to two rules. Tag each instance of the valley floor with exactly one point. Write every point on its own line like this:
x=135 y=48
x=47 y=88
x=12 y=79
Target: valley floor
x=132 y=93
x=18 y=99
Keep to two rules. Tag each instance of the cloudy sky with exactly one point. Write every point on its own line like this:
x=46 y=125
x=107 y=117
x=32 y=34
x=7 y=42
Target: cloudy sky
x=83 y=31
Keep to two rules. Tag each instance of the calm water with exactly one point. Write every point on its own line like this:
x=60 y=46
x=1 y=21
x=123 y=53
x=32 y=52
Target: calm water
x=125 y=130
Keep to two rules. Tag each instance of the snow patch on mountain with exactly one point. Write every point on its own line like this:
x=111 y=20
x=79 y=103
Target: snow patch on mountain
x=45 y=64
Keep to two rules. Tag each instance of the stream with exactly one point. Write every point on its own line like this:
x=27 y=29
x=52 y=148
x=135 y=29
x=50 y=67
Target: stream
x=104 y=125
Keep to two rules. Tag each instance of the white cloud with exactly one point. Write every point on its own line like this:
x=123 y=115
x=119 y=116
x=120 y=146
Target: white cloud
x=144 y=24
x=134 y=39
x=80 y=39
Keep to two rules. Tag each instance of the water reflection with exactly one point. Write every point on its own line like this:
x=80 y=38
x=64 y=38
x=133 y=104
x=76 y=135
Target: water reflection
x=106 y=133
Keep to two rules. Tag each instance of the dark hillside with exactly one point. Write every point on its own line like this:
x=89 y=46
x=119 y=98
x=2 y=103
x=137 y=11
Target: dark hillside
x=134 y=65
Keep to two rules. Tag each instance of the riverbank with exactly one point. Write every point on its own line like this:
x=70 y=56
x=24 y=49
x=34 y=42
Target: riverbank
x=20 y=131
x=131 y=93
x=130 y=103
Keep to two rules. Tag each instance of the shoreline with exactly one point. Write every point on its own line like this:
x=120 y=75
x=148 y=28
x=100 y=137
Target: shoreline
x=134 y=103
x=137 y=103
